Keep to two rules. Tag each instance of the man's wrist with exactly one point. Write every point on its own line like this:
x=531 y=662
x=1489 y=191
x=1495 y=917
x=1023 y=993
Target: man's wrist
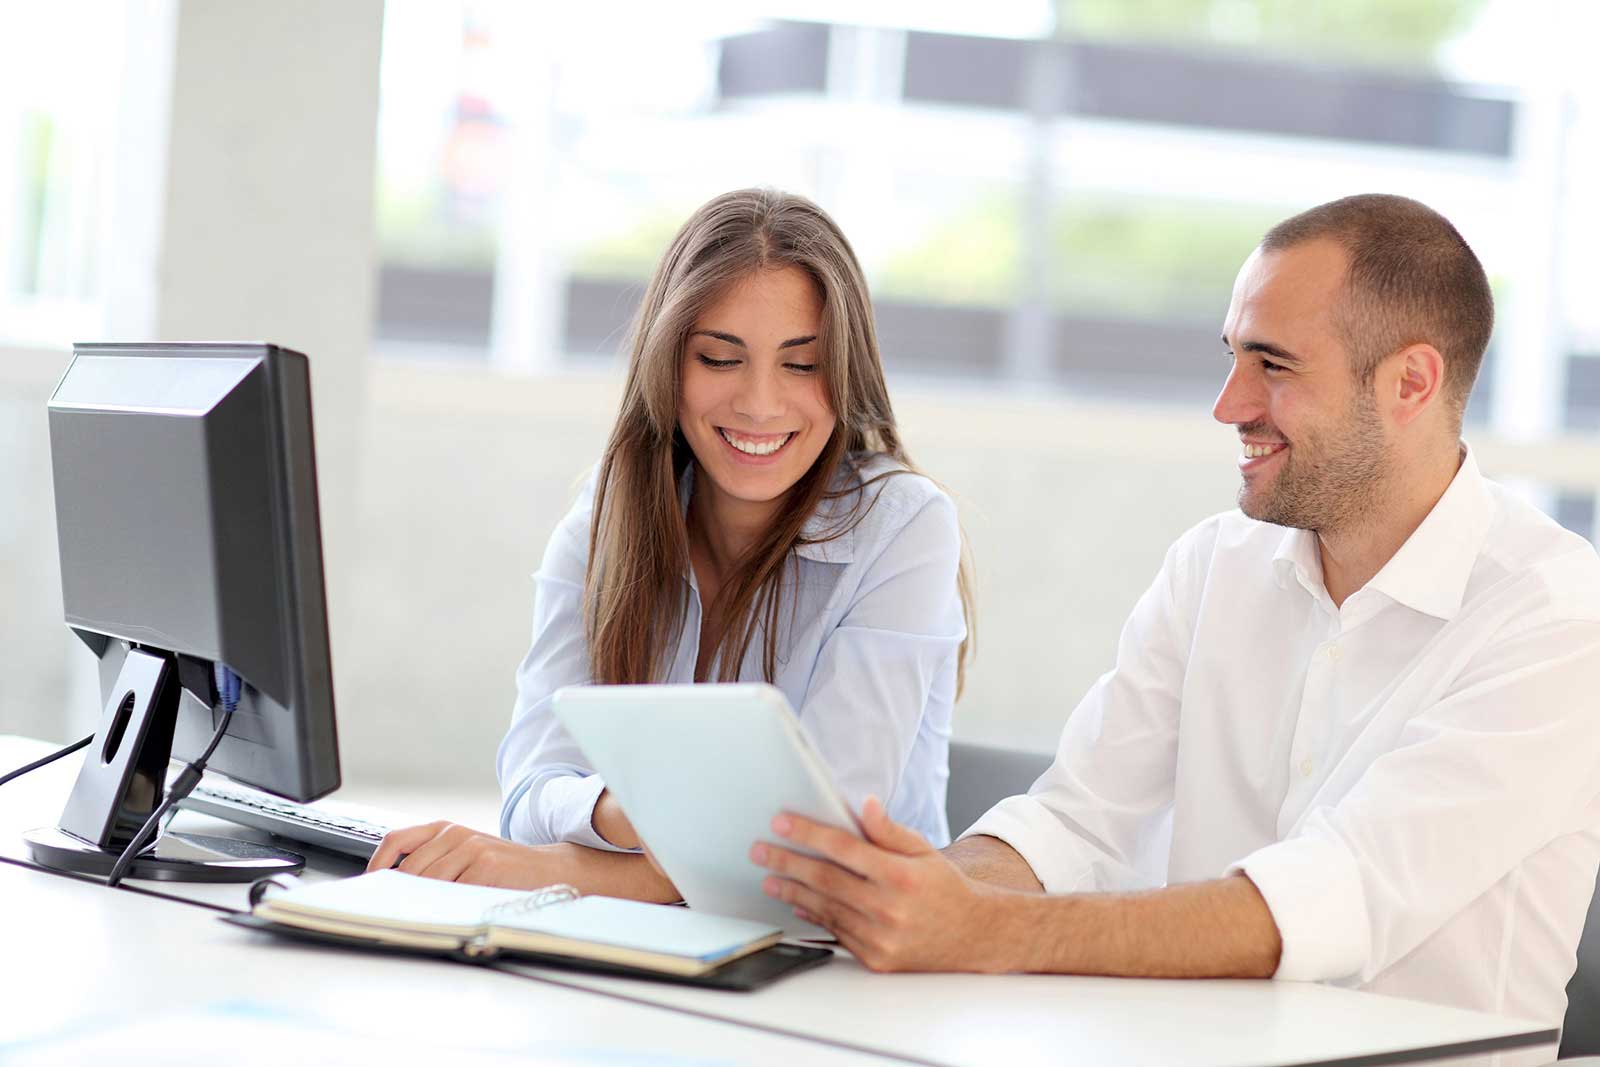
x=1006 y=924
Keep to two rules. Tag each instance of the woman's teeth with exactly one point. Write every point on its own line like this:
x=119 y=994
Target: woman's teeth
x=752 y=447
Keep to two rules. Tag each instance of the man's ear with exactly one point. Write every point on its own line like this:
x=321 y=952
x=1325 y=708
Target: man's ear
x=1412 y=380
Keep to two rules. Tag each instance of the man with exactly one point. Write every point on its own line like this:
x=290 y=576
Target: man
x=1353 y=730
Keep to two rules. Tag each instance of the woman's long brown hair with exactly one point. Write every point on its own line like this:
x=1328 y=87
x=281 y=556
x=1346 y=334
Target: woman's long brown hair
x=635 y=599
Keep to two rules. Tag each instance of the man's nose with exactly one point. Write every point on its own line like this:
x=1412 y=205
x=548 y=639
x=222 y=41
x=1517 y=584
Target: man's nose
x=1240 y=400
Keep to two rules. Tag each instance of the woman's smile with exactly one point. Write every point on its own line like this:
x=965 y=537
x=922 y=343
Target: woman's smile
x=760 y=448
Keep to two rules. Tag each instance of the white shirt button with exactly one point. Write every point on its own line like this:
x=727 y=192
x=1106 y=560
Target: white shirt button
x=1306 y=767
x=1334 y=653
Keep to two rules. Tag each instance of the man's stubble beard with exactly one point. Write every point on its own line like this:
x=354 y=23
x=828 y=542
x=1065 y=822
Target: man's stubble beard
x=1330 y=480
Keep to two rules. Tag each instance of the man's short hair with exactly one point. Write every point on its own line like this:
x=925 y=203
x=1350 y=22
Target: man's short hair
x=1410 y=279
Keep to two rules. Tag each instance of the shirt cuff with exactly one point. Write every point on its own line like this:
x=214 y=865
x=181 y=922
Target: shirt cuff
x=1053 y=852
x=1312 y=886
x=568 y=803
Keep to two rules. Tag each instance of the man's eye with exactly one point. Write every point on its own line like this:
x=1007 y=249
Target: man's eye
x=718 y=364
x=1269 y=366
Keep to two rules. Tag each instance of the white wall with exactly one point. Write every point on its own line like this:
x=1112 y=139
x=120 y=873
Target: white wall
x=36 y=649
x=1069 y=506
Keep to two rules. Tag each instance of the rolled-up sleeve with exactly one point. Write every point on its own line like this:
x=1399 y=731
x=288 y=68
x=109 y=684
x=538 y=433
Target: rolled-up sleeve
x=548 y=789
x=1099 y=818
x=874 y=673
x=1504 y=762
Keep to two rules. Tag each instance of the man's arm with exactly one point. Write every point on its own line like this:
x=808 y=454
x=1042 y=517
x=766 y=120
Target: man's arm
x=1216 y=929
x=900 y=905
x=991 y=860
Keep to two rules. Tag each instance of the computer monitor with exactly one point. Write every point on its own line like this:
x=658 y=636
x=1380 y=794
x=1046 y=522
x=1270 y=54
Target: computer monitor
x=186 y=514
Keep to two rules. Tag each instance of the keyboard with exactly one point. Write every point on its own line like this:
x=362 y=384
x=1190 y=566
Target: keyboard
x=302 y=823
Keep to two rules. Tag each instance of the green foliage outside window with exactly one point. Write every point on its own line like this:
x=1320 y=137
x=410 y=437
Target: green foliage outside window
x=1109 y=256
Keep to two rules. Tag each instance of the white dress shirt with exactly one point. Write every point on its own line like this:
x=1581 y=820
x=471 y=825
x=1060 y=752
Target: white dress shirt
x=867 y=658
x=1410 y=779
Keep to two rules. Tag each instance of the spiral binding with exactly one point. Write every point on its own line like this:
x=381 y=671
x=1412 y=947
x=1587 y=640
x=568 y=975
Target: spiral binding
x=530 y=902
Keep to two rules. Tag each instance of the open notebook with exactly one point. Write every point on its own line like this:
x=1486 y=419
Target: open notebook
x=554 y=926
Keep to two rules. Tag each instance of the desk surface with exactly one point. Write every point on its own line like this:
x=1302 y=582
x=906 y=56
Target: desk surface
x=92 y=943
x=98 y=957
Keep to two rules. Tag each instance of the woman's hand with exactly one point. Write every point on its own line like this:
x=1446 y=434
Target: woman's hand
x=457 y=853
x=610 y=822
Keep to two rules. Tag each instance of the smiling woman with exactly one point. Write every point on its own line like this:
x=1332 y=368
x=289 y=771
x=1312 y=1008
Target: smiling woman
x=754 y=517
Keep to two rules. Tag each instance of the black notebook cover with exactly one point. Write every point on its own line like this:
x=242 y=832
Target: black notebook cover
x=741 y=975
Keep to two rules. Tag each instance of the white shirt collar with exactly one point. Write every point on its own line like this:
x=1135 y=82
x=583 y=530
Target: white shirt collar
x=1429 y=572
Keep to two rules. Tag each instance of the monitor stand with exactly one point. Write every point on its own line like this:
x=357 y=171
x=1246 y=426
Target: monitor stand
x=122 y=782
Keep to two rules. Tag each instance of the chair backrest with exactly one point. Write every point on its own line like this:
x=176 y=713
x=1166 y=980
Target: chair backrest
x=981 y=776
x=1580 y=1035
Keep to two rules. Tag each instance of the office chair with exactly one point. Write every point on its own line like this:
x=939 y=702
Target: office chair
x=1580 y=1034
x=982 y=775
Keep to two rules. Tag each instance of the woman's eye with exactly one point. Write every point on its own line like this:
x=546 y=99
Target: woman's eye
x=803 y=368
x=718 y=364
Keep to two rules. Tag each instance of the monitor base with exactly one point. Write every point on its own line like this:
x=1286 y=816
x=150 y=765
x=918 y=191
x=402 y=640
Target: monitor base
x=176 y=857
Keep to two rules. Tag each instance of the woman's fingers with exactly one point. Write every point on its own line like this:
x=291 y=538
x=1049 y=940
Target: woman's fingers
x=398 y=843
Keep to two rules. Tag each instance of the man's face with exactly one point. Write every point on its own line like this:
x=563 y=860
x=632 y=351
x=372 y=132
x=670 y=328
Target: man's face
x=1314 y=450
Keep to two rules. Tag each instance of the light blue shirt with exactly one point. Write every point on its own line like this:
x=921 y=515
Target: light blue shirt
x=867 y=658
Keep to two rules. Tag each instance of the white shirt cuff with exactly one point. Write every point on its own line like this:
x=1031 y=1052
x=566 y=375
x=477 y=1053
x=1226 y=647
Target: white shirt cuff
x=1312 y=886
x=568 y=803
x=1053 y=852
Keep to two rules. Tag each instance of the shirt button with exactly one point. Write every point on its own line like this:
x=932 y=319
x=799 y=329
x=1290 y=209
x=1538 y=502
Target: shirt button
x=1306 y=767
x=1334 y=653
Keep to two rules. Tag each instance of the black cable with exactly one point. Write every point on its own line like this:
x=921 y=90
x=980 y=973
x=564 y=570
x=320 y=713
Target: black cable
x=182 y=786
x=36 y=764
x=228 y=685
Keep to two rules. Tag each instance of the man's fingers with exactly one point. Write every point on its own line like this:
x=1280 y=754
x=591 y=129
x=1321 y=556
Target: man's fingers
x=397 y=843
x=825 y=912
x=885 y=832
x=820 y=876
x=840 y=846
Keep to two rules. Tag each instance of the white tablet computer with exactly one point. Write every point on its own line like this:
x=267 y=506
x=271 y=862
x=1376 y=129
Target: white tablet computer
x=701 y=770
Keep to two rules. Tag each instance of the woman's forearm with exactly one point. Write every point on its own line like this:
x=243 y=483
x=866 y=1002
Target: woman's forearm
x=619 y=874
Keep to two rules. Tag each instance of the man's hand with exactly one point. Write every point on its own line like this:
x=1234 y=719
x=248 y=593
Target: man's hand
x=456 y=853
x=893 y=900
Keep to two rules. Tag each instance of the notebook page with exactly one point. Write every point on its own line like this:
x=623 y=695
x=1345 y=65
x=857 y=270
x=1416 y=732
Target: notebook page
x=634 y=925
x=398 y=899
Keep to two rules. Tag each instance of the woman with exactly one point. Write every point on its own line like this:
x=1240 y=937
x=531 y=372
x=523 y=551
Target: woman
x=754 y=517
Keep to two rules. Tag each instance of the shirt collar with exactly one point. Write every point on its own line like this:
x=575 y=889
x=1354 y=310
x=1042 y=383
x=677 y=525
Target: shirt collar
x=816 y=540
x=1297 y=555
x=1429 y=573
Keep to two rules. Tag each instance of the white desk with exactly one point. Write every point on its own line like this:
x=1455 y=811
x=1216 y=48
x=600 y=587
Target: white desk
x=839 y=1010
x=80 y=955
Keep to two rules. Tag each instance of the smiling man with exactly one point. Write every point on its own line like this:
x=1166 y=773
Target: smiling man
x=1353 y=729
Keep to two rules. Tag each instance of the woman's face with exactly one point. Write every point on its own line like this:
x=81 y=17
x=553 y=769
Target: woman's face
x=753 y=406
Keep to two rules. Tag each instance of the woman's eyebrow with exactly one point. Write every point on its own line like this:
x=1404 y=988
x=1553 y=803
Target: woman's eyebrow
x=719 y=335
x=793 y=342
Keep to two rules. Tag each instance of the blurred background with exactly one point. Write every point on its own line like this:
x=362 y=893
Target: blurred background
x=452 y=207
